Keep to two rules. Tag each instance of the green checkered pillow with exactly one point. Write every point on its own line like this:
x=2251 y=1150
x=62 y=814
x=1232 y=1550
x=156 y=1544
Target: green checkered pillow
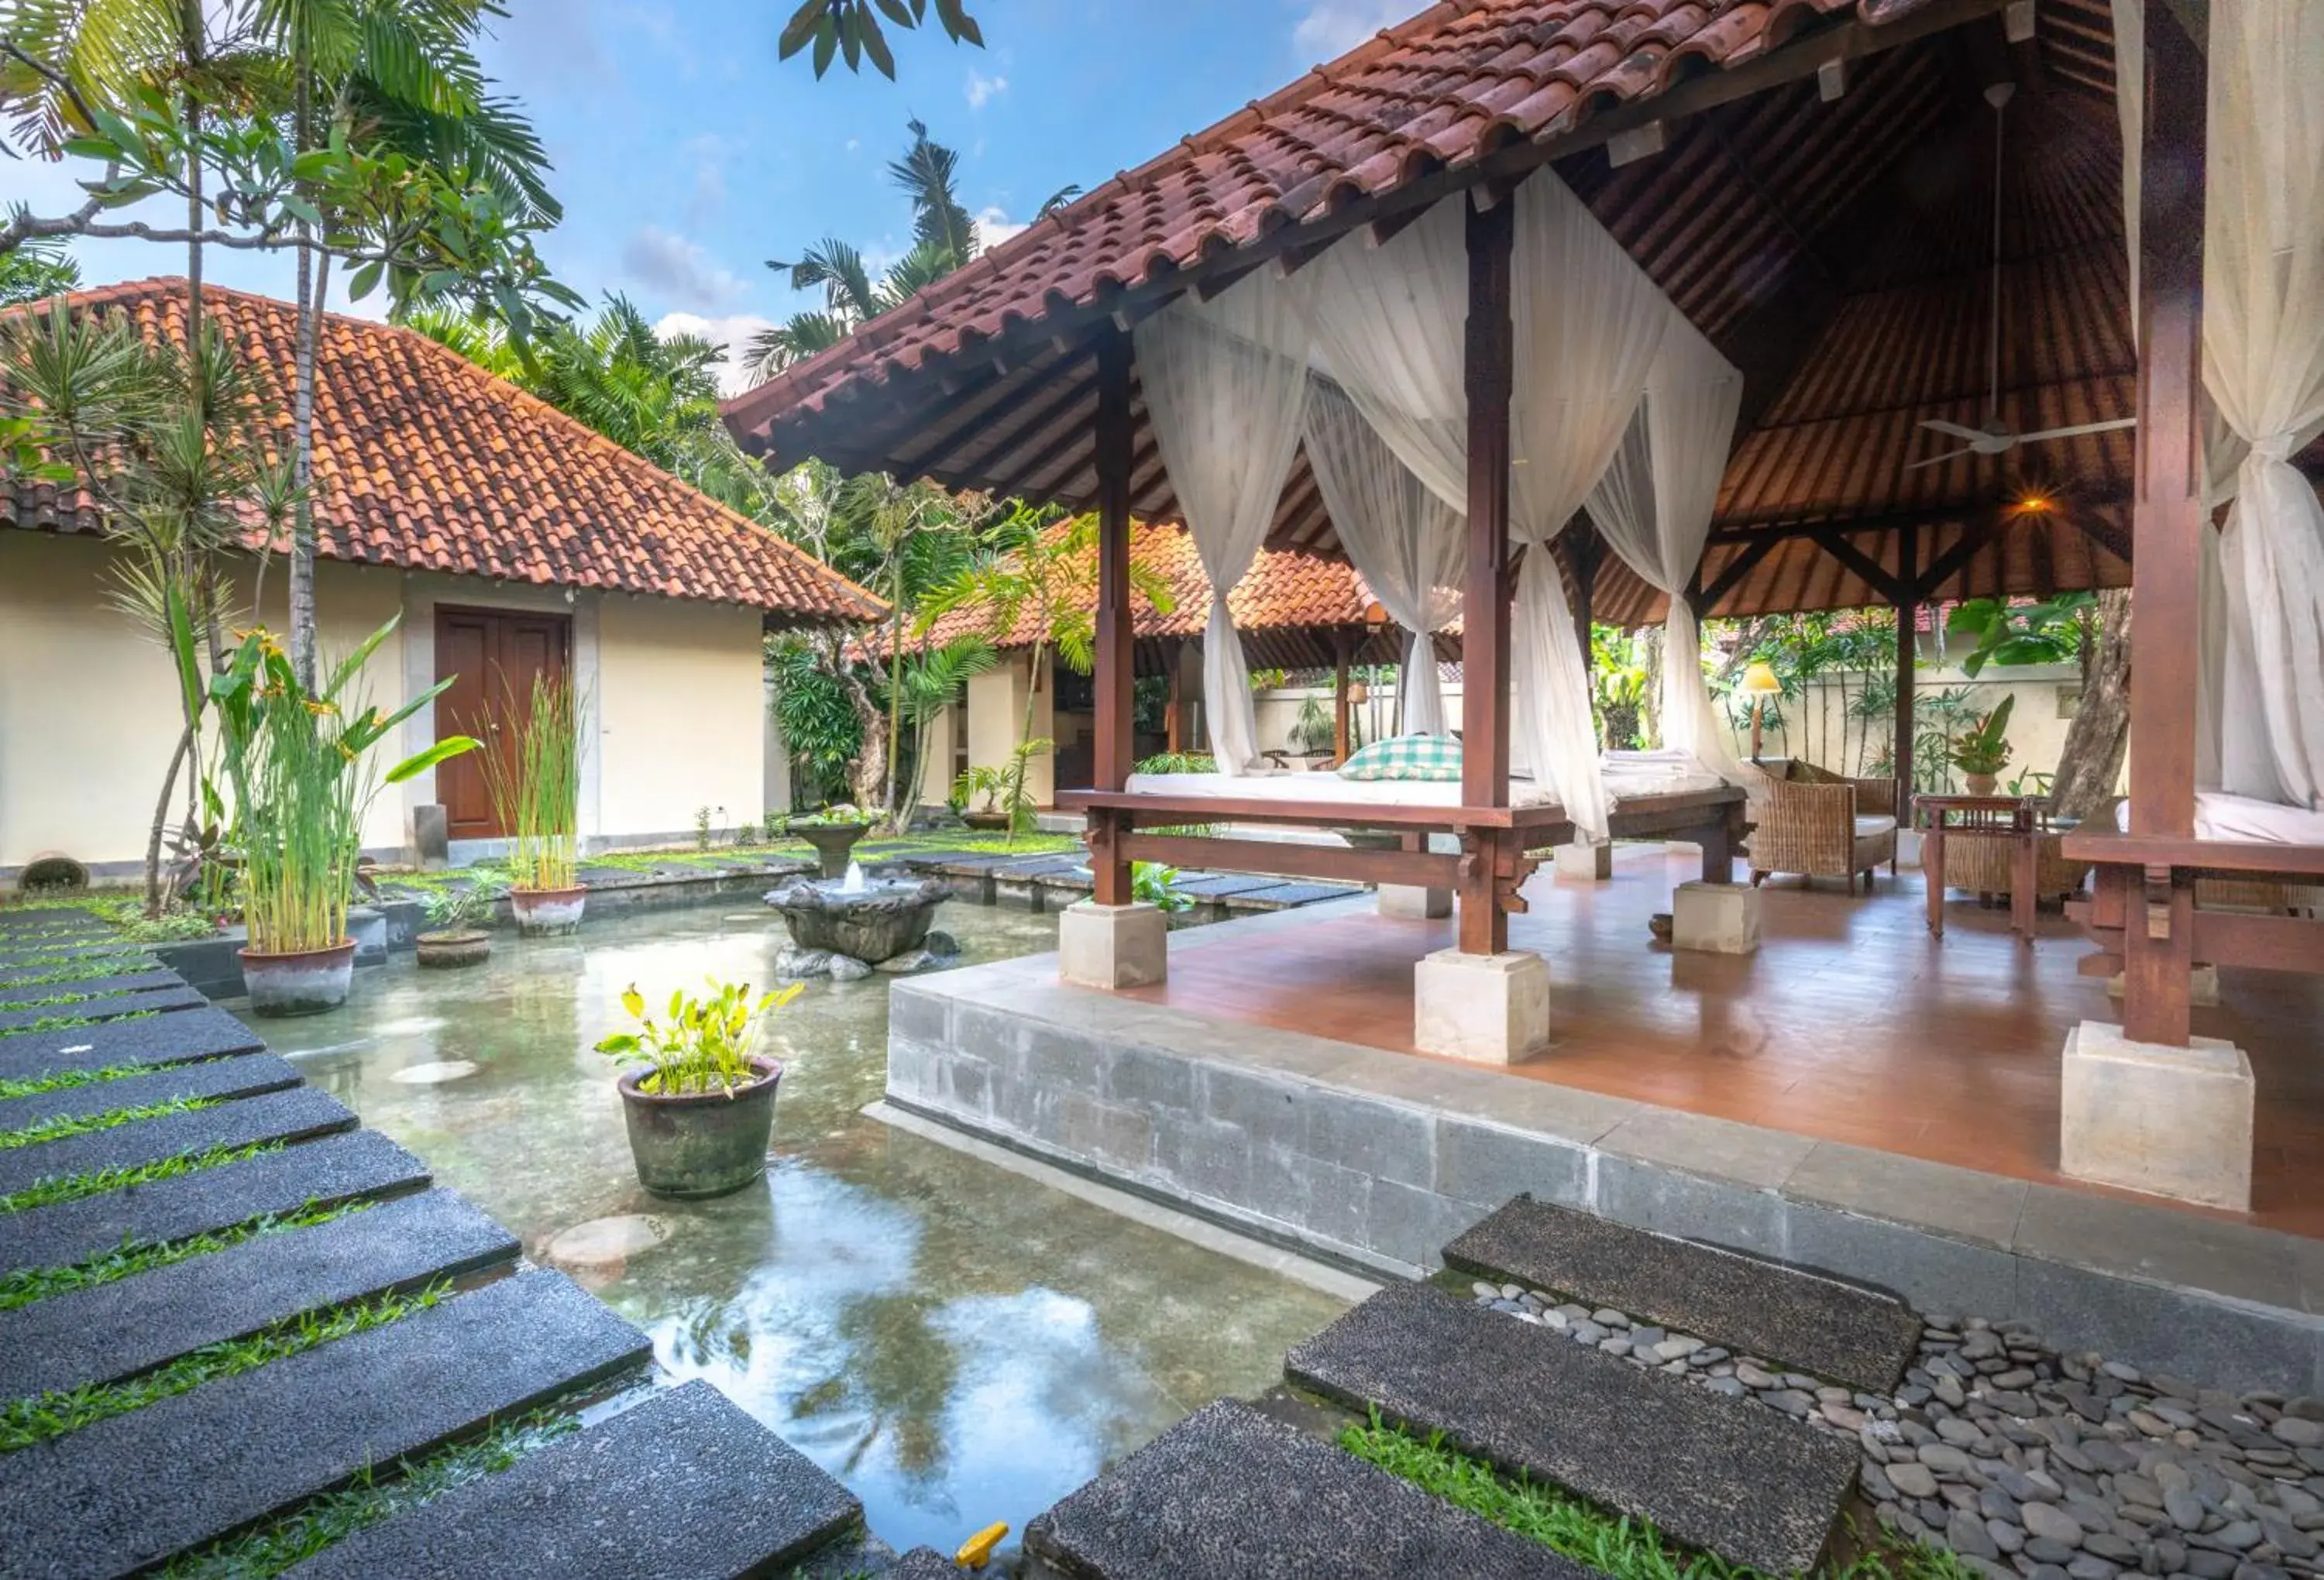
x=1406 y=756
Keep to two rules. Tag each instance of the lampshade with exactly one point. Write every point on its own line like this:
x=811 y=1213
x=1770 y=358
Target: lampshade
x=1375 y=614
x=1759 y=681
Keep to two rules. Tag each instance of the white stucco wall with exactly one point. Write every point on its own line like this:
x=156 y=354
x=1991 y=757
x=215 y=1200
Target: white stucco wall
x=679 y=690
x=996 y=716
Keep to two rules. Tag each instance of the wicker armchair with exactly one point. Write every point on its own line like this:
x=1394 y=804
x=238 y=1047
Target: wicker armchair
x=1819 y=824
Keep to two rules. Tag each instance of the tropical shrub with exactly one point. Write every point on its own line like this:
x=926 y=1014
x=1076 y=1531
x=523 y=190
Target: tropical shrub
x=703 y=1045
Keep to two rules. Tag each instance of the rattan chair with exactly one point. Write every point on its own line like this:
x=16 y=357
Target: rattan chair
x=1817 y=824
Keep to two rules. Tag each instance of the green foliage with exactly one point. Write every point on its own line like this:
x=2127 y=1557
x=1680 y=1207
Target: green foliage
x=1180 y=762
x=533 y=778
x=61 y=1023
x=1984 y=747
x=24 y=1285
x=1621 y=687
x=171 y=926
x=36 y=269
x=66 y=1080
x=76 y=1186
x=58 y=1129
x=1001 y=786
x=850 y=30
x=1154 y=884
x=2054 y=630
x=462 y=910
x=1311 y=729
x=706 y=1047
x=821 y=730
x=79 y=968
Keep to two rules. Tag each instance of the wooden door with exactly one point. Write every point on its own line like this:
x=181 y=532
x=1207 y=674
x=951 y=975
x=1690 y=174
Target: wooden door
x=494 y=655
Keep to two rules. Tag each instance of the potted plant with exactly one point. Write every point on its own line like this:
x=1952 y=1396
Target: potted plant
x=533 y=777
x=455 y=936
x=1982 y=750
x=702 y=1107
x=832 y=831
x=1004 y=804
x=299 y=766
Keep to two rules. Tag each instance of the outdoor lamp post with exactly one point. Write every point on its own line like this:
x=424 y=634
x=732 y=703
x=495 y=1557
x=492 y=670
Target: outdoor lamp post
x=1759 y=684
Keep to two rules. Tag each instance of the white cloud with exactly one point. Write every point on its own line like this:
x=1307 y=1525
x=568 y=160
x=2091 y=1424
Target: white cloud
x=733 y=332
x=982 y=89
x=680 y=270
x=993 y=226
x=854 y=144
x=1333 y=27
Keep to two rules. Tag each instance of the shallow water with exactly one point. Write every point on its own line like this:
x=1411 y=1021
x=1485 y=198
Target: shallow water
x=958 y=1344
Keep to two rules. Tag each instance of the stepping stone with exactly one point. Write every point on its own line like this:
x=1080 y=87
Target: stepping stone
x=1219 y=885
x=162 y=1039
x=1286 y=896
x=1727 y=1476
x=685 y=1487
x=244 y=1077
x=1227 y=1493
x=108 y=1007
x=291 y=1115
x=319 y=1173
x=22 y=957
x=923 y=1563
x=1812 y=1324
x=90 y=973
x=188 y=1469
x=605 y=1242
x=115 y=1330
x=435 y=1072
x=52 y=919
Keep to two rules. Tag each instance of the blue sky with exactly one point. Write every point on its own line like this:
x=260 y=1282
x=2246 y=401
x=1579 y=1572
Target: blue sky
x=687 y=155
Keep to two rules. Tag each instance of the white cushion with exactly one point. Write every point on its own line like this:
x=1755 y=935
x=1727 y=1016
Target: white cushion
x=1872 y=828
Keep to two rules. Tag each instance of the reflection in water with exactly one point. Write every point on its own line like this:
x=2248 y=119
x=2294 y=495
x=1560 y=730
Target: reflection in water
x=958 y=1344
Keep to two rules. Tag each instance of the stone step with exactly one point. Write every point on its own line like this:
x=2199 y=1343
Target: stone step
x=162 y=1039
x=290 y=1115
x=111 y=1006
x=243 y=1077
x=685 y=1487
x=1229 y=1493
x=50 y=919
x=92 y=973
x=323 y=1172
x=30 y=959
x=115 y=1330
x=138 y=1488
x=1727 y=1476
x=1808 y=1322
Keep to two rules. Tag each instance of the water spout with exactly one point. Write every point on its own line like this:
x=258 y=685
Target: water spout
x=853 y=883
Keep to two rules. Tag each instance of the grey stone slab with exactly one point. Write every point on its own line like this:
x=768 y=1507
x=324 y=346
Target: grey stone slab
x=1484 y=1162
x=1220 y=885
x=85 y=973
x=289 y=1115
x=685 y=1487
x=923 y=1564
x=1813 y=1324
x=1227 y=1493
x=118 y=1329
x=2184 y=1333
x=187 y=1469
x=109 y=1007
x=1962 y=1203
x=1294 y=894
x=246 y=1075
x=51 y=919
x=1727 y=1476
x=162 y=1039
x=22 y=956
x=2161 y=1245
x=318 y=1173
x=1717 y=1149
x=1929 y=1271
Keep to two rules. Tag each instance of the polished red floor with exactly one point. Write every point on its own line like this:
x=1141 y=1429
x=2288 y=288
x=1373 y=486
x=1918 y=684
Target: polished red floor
x=1850 y=1025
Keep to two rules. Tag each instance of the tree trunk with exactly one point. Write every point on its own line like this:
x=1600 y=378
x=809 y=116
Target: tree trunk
x=161 y=818
x=302 y=424
x=2091 y=763
x=895 y=694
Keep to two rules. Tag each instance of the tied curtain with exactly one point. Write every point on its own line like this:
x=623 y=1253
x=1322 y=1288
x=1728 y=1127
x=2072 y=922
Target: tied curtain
x=2264 y=366
x=1409 y=545
x=1654 y=505
x=1226 y=388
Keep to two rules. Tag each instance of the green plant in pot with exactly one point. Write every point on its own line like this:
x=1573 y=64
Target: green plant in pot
x=455 y=934
x=832 y=831
x=533 y=777
x=1981 y=751
x=300 y=770
x=1002 y=803
x=700 y=1106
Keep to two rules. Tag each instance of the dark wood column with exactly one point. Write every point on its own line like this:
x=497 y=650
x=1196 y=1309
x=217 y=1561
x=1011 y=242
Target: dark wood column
x=1488 y=348
x=1908 y=618
x=1114 y=748
x=1589 y=550
x=2166 y=526
x=1173 y=711
x=1340 y=698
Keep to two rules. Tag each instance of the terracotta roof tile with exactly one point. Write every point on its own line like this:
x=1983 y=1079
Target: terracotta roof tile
x=426 y=461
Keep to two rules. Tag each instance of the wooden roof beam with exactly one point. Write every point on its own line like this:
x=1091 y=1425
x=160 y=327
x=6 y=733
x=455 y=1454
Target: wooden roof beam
x=1871 y=571
x=1733 y=574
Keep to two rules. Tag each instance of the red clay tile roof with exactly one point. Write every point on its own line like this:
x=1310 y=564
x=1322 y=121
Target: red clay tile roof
x=427 y=462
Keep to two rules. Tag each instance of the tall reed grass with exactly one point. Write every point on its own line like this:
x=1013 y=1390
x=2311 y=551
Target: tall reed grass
x=533 y=776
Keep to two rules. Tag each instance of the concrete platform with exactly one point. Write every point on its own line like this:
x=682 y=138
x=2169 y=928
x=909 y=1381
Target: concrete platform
x=245 y=1076
x=685 y=1487
x=1748 y=1304
x=170 y=1039
x=1728 y=1476
x=291 y=1116
x=1228 y=1494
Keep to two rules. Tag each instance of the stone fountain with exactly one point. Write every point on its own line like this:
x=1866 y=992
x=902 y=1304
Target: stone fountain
x=848 y=927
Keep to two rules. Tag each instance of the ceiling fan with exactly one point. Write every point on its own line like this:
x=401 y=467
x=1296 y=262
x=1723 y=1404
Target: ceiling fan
x=1994 y=438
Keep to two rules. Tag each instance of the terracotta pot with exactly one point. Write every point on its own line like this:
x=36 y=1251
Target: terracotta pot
x=306 y=982
x=450 y=951
x=1979 y=784
x=693 y=1145
x=541 y=912
x=989 y=823
x=832 y=843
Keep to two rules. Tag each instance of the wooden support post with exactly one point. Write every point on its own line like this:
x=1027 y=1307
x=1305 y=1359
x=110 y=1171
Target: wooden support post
x=1908 y=618
x=1340 y=699
x=1115 y=659
x=2166 y=523
x=1174 y=712
x=1588 y=551
x=1489 y=351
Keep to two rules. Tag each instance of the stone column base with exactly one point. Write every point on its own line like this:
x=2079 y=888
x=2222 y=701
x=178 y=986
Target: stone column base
x=1590 y=863
x=1112 y=946
x=1414 y=903
x=1492 y=1009
x=1716 y=918
x=2173 y=1122
x=2202 y=986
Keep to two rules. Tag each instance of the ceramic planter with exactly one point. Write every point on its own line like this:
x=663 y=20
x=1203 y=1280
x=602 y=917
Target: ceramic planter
x=453 y=949
x=539 y=912
x=832 y=843
x=1979 y=784
x=304 y=982
x=987 y=822
x=693 y=1145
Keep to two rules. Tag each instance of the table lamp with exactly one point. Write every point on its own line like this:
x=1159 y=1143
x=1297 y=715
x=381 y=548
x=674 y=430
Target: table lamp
x=1759 y=684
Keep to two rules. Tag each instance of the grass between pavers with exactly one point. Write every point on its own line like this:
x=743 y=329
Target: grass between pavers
x=70 y=969
x=378 y=1493
x=124 y=914
x=26 y=1285
x=74 y=1186
x=8 y=1004
x=1616 y=1545
x=64 y=1079
x=26 y=1421
x=65 y=1022
x=58 y=1129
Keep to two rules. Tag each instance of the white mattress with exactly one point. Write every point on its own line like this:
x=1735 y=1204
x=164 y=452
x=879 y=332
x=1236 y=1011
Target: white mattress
x=1622 y=780
x=2242 y=820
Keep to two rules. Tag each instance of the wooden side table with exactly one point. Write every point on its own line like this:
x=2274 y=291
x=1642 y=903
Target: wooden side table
x=2014 y=817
